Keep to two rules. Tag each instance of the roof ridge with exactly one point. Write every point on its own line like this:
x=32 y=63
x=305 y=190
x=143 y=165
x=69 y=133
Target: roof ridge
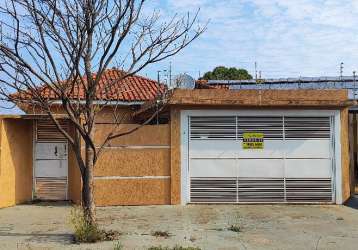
x=112 y=86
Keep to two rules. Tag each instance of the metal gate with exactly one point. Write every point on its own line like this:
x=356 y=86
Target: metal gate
x=50 y=162
x=295 y=164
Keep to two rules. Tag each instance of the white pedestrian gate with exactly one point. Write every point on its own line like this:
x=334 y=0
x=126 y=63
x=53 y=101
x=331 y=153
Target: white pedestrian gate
x=294 y=165
x=51 y=163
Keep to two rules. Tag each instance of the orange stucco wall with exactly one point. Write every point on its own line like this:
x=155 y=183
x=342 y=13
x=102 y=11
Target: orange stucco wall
x=141 y=159
x=345 y=165
x=104 y=114
x=15 y=161
x=110 y=114
x=132 y=192
x=74 y=178
x=133 y=169
x=175 y=161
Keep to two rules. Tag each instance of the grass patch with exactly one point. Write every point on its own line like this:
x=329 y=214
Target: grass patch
x=118 y=246
x=174 y=248
x=164 y=234
x=85 y=232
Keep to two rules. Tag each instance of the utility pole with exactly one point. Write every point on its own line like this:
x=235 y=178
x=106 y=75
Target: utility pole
x=354 y=85
x=158 y=79
x=170 y=73
x=156 y=103
x=256 y=71
x=341 y=70
x=166 y=76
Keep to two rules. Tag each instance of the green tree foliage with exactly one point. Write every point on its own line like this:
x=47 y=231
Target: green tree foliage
x=224 y=73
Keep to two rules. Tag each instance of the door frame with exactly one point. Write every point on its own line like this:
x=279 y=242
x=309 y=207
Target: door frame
x=34 y=142
x=336 y=141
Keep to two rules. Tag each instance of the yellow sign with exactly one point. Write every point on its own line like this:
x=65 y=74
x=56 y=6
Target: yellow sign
x=252 y=140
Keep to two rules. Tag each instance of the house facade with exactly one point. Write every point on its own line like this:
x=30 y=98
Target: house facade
x=211 y=145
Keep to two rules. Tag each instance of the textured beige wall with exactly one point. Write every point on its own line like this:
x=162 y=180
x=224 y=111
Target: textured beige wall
x=113 y=114
x=134 y=169
x=346 y=192
x=175 y=162
x=134 y=162
x=145 y=136
x=15 y=161
x=104 y=114
x=261 y=98
x=132 y=192
x=74 y=178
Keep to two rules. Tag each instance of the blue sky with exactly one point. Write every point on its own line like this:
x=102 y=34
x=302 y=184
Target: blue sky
x=287 y=38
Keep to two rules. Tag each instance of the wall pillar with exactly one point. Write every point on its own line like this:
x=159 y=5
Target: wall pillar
x=345 y=161
x=175 y=166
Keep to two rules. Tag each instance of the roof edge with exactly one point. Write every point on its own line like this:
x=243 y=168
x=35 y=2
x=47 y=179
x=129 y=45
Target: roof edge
x=261 y=98
x=109 y=103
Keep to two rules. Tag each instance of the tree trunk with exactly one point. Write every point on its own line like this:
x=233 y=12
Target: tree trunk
x=88 y=188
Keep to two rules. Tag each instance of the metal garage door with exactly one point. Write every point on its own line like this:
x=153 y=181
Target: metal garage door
x=294 y=165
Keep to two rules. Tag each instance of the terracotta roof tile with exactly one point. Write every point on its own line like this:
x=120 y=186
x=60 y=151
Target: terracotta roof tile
x=131 y=89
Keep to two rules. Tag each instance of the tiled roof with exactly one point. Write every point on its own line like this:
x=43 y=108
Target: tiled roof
x=112 y=88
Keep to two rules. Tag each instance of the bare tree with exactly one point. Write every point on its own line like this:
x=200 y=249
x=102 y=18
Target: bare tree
x=66 y=45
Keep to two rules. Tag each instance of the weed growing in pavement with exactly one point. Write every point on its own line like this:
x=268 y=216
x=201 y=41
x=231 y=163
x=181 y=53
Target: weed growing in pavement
x=164 y=234
x=234 y=228
x=86 y=232
x=118 y=246
x=234 y=223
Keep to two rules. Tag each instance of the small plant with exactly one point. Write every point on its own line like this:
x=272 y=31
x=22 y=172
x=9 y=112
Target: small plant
x=234 y=228
x=234 y=223
x=86 y=232
x=186 y=248
x=174 y=248
x=163 y=234
x=158 y=248
x=118 y=246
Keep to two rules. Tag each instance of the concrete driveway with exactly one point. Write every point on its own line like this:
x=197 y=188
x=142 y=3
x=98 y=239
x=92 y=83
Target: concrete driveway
x=45 y=226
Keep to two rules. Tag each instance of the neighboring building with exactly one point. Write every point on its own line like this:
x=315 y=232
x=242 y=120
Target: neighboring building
x=213 y=145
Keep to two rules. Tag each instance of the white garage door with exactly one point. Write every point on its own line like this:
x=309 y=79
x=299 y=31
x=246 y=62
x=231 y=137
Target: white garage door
x=293 y=165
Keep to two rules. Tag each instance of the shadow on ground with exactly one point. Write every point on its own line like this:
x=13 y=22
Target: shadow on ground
x=42 y=237
x=50 y=203
x=352 y=202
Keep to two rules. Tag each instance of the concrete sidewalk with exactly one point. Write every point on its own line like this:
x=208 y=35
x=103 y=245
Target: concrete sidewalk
x=45 y=226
